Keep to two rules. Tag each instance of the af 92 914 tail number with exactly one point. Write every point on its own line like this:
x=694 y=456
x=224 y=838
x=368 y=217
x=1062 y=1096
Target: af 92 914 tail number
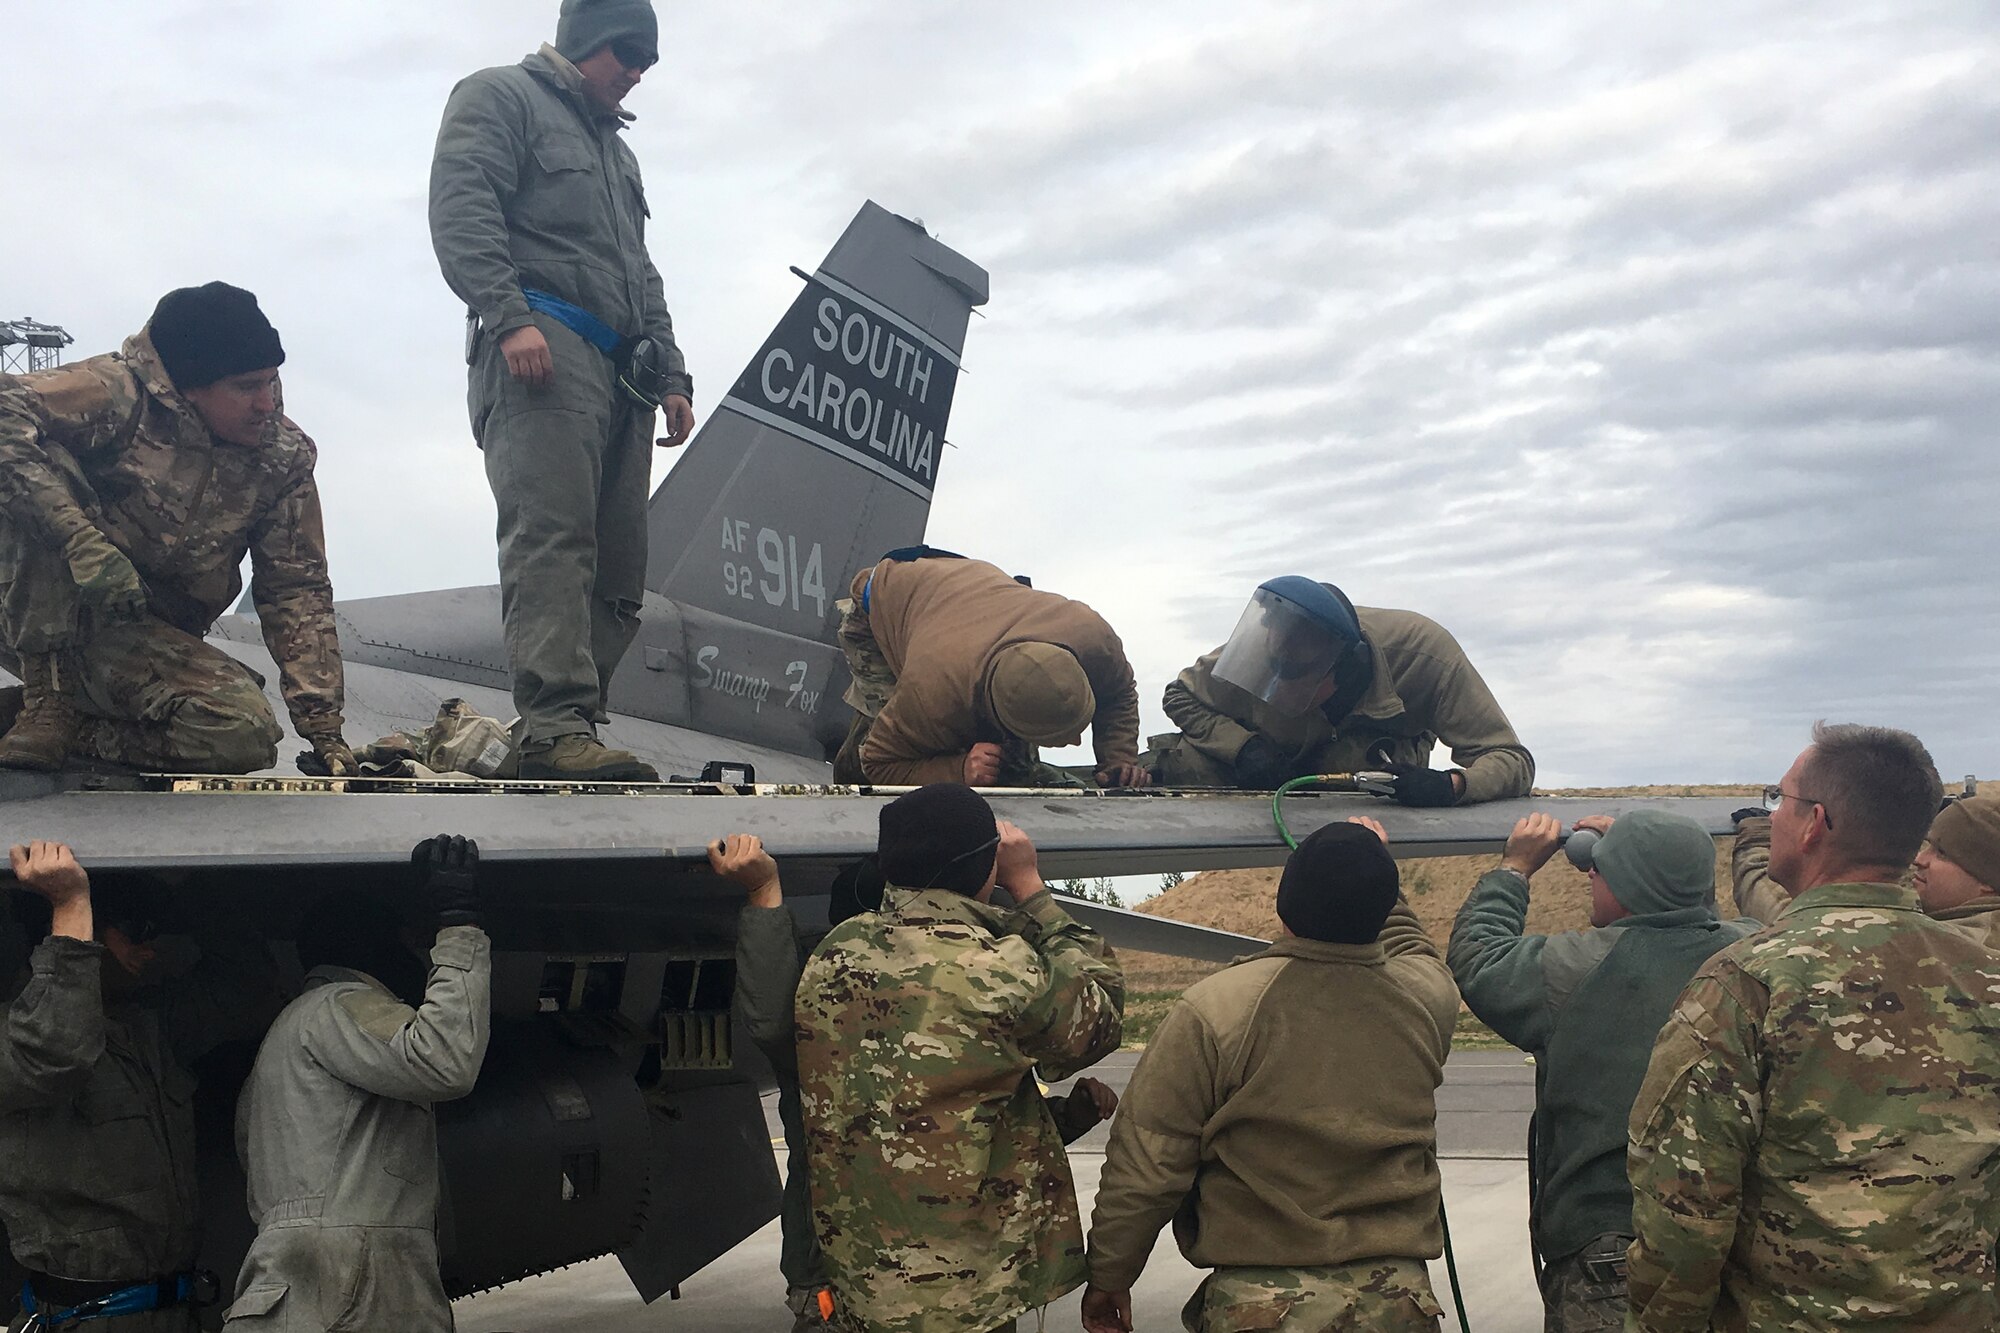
x=777 y=576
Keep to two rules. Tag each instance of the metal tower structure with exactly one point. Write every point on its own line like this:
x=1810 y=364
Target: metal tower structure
x=27 y=345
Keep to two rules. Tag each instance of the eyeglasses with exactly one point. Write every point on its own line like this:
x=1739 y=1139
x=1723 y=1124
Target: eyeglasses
x=1774 y=797
x=634 y=55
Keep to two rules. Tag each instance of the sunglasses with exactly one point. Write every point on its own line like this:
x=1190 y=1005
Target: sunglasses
x=634 y=55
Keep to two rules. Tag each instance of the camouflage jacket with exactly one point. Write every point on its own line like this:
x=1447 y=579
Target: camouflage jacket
x=1424 y=690
x=1818 y=1136
x=108 y=443
x=940 y=1188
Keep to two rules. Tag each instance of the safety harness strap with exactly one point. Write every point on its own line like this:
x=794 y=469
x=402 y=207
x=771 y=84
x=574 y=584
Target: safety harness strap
x=159 y=1294
x=577 y=320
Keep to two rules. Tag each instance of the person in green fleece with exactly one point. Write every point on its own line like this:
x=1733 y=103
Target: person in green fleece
x=1587 y=1005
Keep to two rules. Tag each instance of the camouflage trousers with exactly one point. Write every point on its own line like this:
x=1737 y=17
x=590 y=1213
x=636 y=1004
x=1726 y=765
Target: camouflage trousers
x=1367 y=1296
x=1586 y=1292
x=155 y=697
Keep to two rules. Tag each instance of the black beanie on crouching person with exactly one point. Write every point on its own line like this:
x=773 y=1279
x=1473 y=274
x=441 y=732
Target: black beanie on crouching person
x=942 y=836
x=586 y=25
x=1338 y=886
x=208 y=333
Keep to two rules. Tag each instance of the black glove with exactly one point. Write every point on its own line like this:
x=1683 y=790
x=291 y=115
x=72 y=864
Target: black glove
x=1261 y=766
x=1422 y=786
x=450 y=870
x=1737 y=817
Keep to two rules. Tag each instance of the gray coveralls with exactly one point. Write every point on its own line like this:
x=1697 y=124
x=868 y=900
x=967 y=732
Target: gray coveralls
x=97 y=1140
x=531 y=188
x=339 y=1140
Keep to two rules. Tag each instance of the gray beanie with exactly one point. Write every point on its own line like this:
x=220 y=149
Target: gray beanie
x=586 y=25
x=1656 y=862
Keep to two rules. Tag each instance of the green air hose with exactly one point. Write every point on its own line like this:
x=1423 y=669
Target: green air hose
x=1278 y=818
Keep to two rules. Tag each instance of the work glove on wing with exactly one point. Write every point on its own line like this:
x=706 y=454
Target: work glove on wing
x=449 y=867
x=105 y=577
x=1422 y=786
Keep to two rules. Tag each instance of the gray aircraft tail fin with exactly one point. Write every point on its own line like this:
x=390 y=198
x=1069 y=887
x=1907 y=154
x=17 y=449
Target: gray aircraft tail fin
x=823 y=453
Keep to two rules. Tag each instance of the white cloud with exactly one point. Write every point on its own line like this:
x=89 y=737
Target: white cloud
x=1650 y=350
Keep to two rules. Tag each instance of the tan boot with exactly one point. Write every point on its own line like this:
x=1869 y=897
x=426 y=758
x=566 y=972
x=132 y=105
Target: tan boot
x=42 y=736
x=583 y=758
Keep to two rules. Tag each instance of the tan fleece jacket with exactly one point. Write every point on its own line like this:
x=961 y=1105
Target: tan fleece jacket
x=1285 y=1113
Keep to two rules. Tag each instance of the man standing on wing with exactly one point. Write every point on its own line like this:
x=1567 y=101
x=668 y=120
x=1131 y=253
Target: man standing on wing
x=538 y=218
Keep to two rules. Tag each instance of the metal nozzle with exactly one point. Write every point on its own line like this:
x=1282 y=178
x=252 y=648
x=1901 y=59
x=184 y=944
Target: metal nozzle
x=1580 y=846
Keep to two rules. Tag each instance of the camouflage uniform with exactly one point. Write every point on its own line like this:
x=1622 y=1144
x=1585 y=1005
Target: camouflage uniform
x=97 y=1136
x=108 y=443
x=940 y=1189
x=1367 y=1296
x=534 y=188
x=1818 y=1137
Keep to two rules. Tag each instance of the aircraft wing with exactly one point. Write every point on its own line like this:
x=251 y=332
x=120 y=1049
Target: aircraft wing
x=278 y=822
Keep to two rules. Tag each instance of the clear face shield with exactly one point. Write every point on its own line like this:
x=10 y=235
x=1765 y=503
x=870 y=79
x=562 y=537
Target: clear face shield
x=1281 y=653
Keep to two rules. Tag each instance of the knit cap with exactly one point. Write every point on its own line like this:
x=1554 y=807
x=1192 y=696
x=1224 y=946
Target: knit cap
x=1967 y=834
x=942 y=836
x=1338 y=886
x=1038 y=692
x=208 y=333
x=586 y=25
x=1657 y=862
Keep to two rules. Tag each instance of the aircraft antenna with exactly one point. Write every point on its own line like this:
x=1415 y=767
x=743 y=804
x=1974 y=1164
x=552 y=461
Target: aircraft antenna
x=28 y=345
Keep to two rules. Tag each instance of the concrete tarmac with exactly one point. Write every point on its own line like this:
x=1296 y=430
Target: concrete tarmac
x=1482 y=1134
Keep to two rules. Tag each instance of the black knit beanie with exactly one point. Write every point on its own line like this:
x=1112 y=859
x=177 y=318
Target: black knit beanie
x=942 y=836
x=586 y=25
x=208 y=333
x=1338 y=886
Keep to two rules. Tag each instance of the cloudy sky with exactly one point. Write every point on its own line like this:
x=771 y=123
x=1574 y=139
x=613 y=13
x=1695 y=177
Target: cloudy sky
x=1651 y=348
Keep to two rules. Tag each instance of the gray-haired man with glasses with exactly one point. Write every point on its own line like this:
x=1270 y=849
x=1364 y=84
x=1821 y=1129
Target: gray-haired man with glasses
x=1817 y=1136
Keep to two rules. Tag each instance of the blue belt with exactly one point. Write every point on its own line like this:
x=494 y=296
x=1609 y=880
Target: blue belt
x=139 y=1298
x=577 y=320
